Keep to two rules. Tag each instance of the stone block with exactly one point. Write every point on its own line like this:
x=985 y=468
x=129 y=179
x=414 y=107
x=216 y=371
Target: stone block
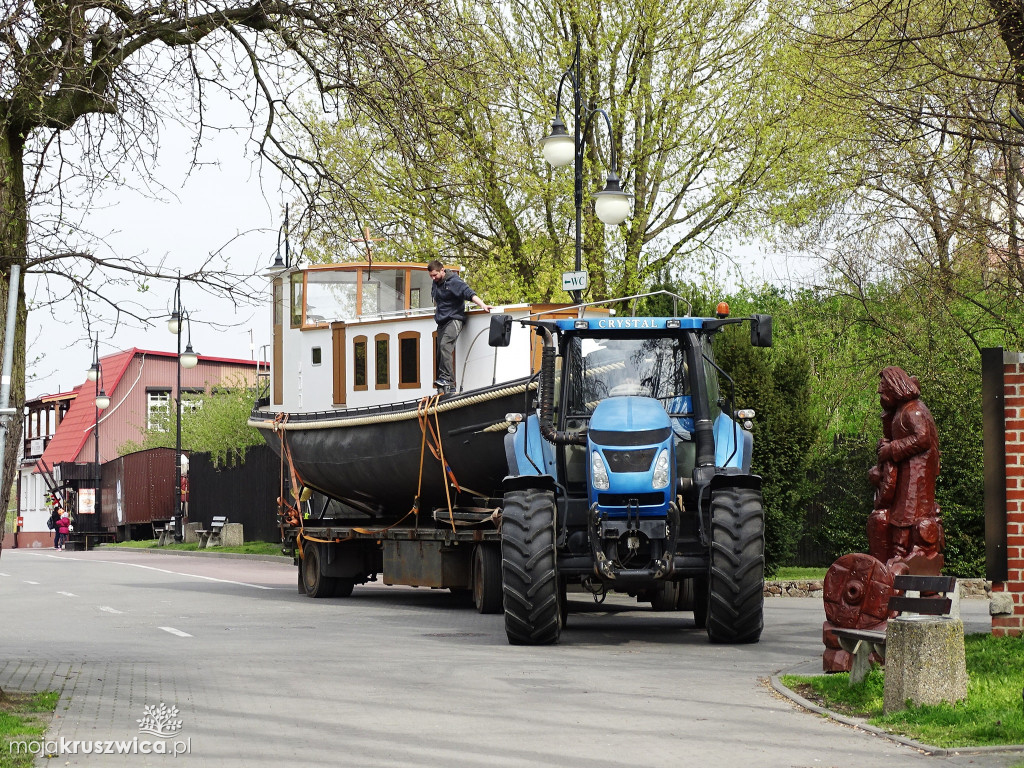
x=231 y=536
x=924 y=662
x=1001 y=604
x=191 y=537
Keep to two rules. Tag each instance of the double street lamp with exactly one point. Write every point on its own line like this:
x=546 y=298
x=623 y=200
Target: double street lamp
x=186 y=359
x=102 y=402
x=611 y=205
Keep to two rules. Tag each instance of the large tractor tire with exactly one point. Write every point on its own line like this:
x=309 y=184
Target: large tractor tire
x=530 y=584
x=487 y=597
x=735 y=612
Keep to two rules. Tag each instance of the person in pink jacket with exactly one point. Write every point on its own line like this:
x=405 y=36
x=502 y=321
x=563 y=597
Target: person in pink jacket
x=63 y=528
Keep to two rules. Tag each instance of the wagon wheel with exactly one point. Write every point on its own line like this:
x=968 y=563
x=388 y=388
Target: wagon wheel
x=856 y=591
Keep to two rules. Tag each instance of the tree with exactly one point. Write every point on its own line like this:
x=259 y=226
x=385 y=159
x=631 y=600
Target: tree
x=699 y=125
x=85 y=84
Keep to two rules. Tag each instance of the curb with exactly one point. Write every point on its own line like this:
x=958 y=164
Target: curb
x=861 y=724
x=187 y=553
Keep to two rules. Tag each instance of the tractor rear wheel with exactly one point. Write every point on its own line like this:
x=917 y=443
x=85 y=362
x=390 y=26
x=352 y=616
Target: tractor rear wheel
x=530 y=584
x=735 y=612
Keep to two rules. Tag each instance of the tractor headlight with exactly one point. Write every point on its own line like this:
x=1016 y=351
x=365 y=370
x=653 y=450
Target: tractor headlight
x=598 y=472
x=661 y=473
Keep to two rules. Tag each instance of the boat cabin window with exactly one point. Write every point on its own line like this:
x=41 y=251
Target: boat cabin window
x=359 y=362
x=383 y=291
x=380 y=360
x=296 y=298
x=317 y=356
x=408 y=360
x=419 y=289
x=331 y=295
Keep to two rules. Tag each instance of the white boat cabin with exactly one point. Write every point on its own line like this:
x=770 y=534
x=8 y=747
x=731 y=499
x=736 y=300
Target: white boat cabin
x=355 y=335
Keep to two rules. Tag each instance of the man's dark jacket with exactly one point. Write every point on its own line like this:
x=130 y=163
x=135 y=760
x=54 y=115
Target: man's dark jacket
x=450 y=297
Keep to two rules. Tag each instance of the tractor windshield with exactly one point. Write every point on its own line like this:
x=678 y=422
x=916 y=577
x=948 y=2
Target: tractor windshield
x=611 y=367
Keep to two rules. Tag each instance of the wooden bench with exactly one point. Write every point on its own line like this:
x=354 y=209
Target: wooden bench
x=82 y=541
x=163 y=531
x=211 y=537
x=926 y=595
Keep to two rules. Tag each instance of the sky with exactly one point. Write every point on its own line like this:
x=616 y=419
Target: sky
x=226 y=206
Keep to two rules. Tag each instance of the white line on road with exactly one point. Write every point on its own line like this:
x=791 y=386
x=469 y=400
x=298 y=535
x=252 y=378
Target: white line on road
x=67 y=594
x=5 y=574
x=165 y=570
x=108 y=609
x=174 y=631
x=32 y=582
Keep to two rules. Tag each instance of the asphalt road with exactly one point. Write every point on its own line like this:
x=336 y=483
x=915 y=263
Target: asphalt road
x=262 y=676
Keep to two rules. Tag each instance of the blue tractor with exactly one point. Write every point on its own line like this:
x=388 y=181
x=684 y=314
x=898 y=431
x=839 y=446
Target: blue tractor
x=632 y=475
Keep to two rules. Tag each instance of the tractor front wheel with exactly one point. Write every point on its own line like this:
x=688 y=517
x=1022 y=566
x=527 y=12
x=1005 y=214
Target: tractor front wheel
x=530 y=583
x=735 y=610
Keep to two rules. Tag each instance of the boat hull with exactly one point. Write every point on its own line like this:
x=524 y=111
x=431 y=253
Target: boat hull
x=372 y=458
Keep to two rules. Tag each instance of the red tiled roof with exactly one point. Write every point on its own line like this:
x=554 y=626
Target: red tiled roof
x=68 y=441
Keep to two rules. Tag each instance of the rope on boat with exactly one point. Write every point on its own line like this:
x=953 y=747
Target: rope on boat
x=384 y=418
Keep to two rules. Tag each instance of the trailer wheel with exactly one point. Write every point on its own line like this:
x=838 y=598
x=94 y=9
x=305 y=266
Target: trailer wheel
x=530 y=583
x=665 y=596
x=700 y=602
x=487 y=579
x=313 y=578
x=343 y=587
x=736 y=596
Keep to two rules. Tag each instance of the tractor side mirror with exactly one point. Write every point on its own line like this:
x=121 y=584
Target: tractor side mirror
x=501 y=331
x=761 y=330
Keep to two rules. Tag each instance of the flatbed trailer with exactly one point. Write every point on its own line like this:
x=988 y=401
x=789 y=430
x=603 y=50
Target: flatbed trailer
x=462 y=554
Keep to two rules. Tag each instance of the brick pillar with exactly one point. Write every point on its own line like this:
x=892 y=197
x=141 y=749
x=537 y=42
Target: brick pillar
x=1008 y=595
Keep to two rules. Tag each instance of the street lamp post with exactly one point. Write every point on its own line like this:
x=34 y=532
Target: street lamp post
x=611 y=205
x=102 y=402
x=186 y=359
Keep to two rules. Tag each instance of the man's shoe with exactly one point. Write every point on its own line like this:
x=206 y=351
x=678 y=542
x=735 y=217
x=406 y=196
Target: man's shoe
x=442 y=383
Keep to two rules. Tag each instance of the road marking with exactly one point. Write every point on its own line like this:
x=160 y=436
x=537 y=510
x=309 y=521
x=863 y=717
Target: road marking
x=5 y=574
x=174 y=631
x=108 y=609
x=165 y=570
x=32 y=582
x=67 y=594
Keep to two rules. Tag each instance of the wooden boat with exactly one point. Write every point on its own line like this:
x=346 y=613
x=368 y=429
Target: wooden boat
x=351 y=401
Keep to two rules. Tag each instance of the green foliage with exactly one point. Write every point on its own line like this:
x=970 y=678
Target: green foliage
x=991 y=714
x=777 y=385
x=845 y=497
x=214 y=424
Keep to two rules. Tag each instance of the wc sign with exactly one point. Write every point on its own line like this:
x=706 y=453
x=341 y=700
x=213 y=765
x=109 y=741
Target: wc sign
x=574 y=281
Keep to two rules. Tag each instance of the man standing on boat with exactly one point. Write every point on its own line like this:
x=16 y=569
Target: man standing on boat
x=450 y=294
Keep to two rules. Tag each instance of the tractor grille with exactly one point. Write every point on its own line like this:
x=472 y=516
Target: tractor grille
x=626 y=499
x=630 y=461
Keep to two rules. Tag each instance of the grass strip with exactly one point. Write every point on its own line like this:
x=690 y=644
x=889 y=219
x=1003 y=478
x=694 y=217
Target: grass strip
x=992 y=714
x=250 y=548
x=24 y=717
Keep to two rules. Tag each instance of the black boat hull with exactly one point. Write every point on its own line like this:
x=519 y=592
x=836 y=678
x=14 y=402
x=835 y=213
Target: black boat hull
x=372 y=458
